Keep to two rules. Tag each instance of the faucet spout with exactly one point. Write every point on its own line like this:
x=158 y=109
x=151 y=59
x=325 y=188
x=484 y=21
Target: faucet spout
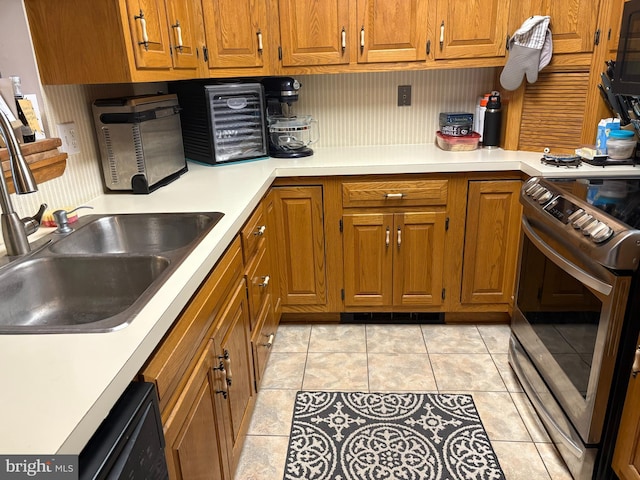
x=13 y=228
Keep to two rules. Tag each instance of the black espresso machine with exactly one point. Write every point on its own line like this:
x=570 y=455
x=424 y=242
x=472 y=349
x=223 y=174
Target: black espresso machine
x=289 y=135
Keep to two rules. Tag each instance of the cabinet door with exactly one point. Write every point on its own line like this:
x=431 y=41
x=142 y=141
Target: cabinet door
x=470 y=28
x=184 y=27
x=626 y=457
x=573 y=23
x=368 y=259
x=149 y=33
x=314 y=32
x=192 y=431
x=392 y=31
x=418 y=242
x=232 y=347
x=491 y=241
x=272 y=251
x=301 y=252
x=235 y=32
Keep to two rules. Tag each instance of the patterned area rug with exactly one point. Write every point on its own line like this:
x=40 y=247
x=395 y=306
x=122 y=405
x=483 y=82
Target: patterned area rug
x=388 y=436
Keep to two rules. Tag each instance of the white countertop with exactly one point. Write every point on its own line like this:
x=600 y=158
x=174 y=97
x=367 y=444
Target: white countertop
x=56 y=389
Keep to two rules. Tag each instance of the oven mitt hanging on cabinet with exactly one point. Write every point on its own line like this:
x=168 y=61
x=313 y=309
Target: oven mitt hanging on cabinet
x=530 y=50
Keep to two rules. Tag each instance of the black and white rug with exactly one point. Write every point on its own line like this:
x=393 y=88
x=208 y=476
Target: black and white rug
x=388 y=436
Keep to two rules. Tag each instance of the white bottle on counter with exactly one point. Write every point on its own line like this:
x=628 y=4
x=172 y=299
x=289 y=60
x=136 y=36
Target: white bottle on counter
x=478 y=120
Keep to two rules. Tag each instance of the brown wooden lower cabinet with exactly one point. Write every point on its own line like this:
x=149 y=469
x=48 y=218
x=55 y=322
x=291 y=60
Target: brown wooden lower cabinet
x=626 y=458
x=203 y=370
x=194 y=432
x=491 y=241
x=394 y=259
x=234 y=372
x=300 y=245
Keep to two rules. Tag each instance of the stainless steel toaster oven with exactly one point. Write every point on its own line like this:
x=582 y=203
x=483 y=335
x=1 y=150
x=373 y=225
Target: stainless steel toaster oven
x=140 y=141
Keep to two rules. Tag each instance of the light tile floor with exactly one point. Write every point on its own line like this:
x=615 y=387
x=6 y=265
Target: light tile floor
x=418 y=358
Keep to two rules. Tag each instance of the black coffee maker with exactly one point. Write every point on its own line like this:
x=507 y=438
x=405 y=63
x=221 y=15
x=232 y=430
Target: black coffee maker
x=289 y=135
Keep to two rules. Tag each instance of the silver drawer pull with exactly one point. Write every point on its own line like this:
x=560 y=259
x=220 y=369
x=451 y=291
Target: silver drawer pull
x=265 y=281
x=393 y=195
x=260 y=230
x=269 y=341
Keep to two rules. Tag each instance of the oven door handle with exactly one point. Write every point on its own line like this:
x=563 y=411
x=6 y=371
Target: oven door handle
x=569 y=267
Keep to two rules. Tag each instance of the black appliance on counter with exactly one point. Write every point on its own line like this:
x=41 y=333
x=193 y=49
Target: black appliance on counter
x=289 y=135
x=574 y=324
x=130 y=441
x=222 y=122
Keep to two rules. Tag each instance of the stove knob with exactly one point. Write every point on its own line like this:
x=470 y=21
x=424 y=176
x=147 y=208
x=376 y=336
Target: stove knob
x=575 y=215
x=578 y=217
x=582 y=221
x=545 y=197
x=602 y=234
x=533 y=191
x=529 y=185
x=588 y=227
x=579 y=212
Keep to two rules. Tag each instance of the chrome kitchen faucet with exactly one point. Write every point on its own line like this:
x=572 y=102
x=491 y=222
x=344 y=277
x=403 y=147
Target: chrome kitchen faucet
x=14 y=229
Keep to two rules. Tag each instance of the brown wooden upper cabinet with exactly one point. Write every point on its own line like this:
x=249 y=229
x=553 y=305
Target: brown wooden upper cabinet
x=236 y=35
x=314 y=33
x=573 y=23
x=109 y=41
x=470 y=28
x=391 y=31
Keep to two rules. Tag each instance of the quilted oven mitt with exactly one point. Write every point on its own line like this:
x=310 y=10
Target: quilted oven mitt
x=530 y=50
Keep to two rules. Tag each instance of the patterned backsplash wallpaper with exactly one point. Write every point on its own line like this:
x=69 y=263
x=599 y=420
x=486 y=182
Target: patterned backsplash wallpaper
x=351 y=109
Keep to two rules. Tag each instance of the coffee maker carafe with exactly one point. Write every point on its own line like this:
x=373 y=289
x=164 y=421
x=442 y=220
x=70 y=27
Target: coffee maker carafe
x=289 y=135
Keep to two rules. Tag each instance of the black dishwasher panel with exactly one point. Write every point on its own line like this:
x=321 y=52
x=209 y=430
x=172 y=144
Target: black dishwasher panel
x=129 y=444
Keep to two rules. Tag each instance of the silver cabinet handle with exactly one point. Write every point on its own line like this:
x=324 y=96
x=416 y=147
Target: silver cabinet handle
x=362 y=39
x=259 y=35
x=394 y=195
x=343 y=39
x=269 y=341
x=636 y=363
x=265 y=281
x=441 y=35
x=388 y=237
x=399 y=236
x=260 y=230
x=178 y=32
x=143 y=28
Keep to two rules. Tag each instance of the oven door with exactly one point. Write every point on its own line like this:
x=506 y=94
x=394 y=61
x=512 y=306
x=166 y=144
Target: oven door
x=568 y=314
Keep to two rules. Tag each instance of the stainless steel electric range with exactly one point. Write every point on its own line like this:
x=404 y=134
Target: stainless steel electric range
x=573 y=340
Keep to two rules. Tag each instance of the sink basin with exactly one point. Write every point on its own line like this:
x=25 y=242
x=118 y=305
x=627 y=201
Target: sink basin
x=138 y=233
x=98 y=277
x=66 y=293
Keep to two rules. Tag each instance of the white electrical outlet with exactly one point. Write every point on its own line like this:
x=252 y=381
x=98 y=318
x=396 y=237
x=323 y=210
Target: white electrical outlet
x=69 y=136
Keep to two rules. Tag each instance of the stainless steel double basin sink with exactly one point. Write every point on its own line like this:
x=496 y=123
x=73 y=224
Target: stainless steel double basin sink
x=98 y=277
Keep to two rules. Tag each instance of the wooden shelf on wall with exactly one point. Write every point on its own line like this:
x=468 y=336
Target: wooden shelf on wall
x=43 y=157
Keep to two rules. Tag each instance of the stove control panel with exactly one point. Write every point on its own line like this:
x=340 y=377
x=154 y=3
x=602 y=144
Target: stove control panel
x=567 y=212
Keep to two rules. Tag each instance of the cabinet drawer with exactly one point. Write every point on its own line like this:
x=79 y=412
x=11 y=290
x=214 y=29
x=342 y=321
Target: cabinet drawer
x=258 y=277
x=167 y=366
x=262 y=339
x=253 y=231
x=395 y=193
